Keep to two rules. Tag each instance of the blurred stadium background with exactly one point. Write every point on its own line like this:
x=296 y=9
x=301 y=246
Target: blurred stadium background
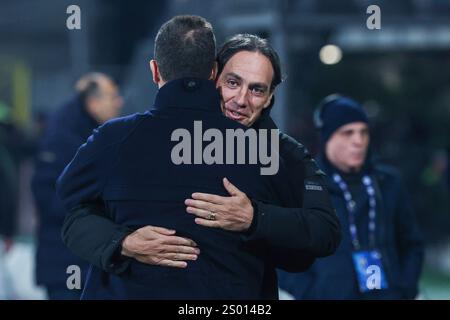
x=401 y=73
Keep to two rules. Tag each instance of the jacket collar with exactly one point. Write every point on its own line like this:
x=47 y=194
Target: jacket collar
x=330 y=169
x=189 y=93
x=75 y=116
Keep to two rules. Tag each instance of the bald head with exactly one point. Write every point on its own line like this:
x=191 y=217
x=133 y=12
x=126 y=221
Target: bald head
x=100 y=95
x=89 y=80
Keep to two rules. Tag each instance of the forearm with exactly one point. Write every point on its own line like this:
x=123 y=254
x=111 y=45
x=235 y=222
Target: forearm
x=313 y=230
x=91 y=235
x=313 y=217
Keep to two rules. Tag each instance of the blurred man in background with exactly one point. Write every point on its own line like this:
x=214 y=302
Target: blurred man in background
x=381 y=253
x=97 y=100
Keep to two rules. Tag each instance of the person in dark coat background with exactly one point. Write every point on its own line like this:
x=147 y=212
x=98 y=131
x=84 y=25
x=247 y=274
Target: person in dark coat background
x=308 y=224
x=381 y=253
x=15 y=147
x=8 y=184
x=97 y=100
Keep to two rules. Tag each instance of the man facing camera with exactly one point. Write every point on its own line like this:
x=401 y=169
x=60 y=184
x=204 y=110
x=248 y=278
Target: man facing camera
x=381 y=253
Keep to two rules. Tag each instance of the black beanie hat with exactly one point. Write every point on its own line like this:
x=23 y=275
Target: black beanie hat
x=336 y=111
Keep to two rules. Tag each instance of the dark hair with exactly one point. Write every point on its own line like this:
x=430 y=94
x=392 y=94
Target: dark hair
x=185 y=46
x=88 y=85
x=252 y=43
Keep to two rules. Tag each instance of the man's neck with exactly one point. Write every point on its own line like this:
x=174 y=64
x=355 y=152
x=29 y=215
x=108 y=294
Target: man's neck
x=346 y=169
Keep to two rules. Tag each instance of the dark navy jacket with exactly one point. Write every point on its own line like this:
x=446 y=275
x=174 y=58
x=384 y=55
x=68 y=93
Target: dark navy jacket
x=127 y=165
x=398 y=238
x=67 y=129
x=301 y=229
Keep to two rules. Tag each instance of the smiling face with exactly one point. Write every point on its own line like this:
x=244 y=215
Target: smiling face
x=245 y=86
x=347 y=147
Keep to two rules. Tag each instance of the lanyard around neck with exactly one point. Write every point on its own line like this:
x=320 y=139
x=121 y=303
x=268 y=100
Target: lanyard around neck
x=350 y=204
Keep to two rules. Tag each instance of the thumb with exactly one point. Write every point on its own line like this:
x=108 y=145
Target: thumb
x=162 y=230
x=232 y=189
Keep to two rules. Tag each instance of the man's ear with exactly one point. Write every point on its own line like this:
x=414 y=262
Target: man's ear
x=269 y=101
x=92 y=107
x=214 y=72
x=155 y=71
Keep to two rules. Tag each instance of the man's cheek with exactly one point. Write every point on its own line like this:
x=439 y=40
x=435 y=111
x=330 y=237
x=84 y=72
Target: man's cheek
x=226 y=96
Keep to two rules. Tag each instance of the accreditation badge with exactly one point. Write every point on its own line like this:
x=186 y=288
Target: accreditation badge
x=369 y=270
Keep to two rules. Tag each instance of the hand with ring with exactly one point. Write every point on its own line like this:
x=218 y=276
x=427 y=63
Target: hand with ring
x=233 y=213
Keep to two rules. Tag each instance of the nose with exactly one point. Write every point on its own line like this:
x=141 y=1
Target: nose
x=358 y=139
x=240 y=98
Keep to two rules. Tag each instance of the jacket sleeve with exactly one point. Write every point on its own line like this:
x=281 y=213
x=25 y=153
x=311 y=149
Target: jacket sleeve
x=87 y=230
x=410 y=243
x=56 y=152
x=91 y=234
x=84 y=177
x=296 y=236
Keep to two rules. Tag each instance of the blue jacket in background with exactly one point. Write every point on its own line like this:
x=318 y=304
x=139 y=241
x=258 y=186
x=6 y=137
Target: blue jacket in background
x=397 y=237
x=67 y=129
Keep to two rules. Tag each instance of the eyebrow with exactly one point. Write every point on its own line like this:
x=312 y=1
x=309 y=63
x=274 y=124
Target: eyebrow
x=363 y=130
x=234 y=75
x=251 y=85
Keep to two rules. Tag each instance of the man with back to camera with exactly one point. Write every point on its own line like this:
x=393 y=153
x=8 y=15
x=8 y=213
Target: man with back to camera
x=142 y=186
x=381 y=253
x=310 y=225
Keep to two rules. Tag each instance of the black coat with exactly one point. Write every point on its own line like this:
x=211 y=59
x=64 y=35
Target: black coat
x=67 y=129
x=14 y=147
x=240 y=265
x=397 y=238
x=8 y=185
